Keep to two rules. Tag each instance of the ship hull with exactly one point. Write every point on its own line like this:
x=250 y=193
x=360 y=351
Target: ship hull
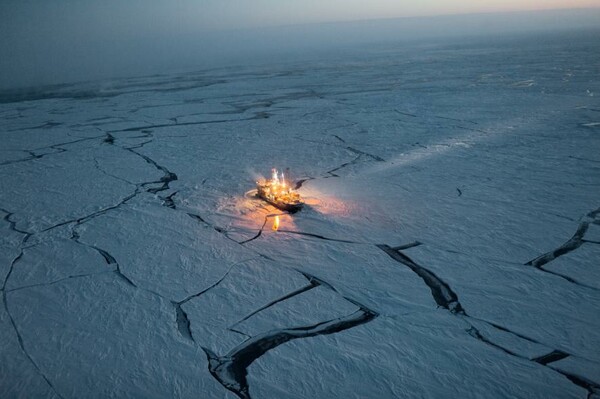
x=281 y=205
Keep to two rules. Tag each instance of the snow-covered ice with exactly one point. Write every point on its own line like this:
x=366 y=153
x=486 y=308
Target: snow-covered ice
x=449 y=246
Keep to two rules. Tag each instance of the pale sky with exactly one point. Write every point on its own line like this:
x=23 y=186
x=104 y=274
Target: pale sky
x=130 y=16
x=50 y=41
x=225 y=14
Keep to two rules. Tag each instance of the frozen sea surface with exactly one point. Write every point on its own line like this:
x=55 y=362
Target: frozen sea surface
x=450 y=246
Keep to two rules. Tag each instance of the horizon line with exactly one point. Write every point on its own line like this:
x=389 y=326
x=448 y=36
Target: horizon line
x=416 y=16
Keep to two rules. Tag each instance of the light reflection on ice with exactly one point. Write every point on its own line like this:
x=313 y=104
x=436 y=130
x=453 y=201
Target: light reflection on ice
x=422 y=154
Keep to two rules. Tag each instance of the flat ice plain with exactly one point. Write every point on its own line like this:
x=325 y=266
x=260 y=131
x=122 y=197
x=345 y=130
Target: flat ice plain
x=450 y=246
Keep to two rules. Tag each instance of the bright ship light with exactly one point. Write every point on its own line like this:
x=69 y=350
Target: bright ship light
x=277 y=192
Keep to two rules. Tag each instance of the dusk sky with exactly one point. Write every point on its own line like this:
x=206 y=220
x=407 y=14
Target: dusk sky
x=65 y=40
x=195 y=15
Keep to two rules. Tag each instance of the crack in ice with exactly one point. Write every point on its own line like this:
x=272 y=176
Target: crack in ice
x=446 y=298
x=231 y=369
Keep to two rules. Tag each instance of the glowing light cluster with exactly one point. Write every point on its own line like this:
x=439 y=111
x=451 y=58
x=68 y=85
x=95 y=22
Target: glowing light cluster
x=278 y=192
